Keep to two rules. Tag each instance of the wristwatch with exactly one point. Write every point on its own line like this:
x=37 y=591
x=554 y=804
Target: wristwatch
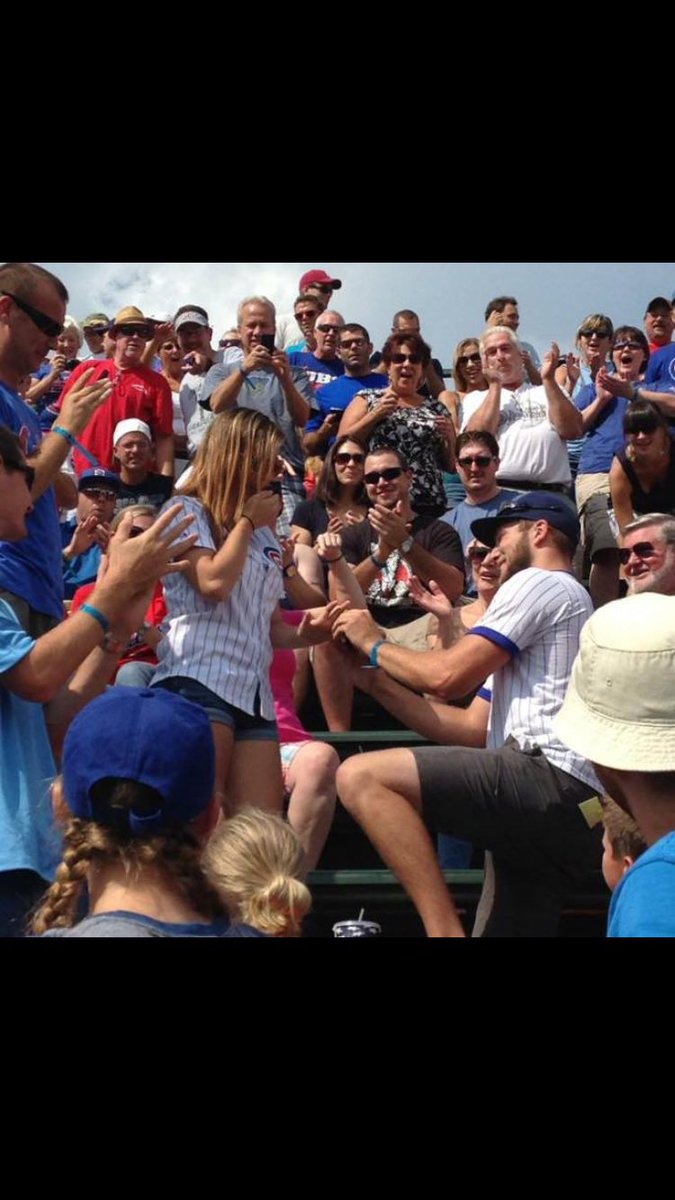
x=407 y=545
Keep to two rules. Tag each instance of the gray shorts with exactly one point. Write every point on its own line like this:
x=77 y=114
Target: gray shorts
x=526 y=812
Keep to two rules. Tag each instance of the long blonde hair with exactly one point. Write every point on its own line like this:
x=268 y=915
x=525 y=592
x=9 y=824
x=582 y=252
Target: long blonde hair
x=235 y=461
x=253 y=862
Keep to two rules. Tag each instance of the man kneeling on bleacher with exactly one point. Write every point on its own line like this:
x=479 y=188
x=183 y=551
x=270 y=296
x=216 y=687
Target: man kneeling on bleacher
x=517 y=791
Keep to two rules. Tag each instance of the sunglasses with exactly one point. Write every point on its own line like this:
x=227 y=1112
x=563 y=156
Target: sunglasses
x=642 y=550
x=99 y=493
x=27 y=472
x=344 y=458
x=399 y=359
x=44 y=323
x=388 y=476
x=324 y=288
x=480 y=460
x=307 y=316
x=467 y=359
x=96 y=330
x=329 y=328
x=479 y=553
x=598 y=333
x=627 y=346
x=142 y=331
x=355 y=343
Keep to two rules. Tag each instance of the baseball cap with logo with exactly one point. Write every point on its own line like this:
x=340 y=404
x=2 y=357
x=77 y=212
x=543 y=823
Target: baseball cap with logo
x=98 y=477
x=620 y=706
x=532 y=506
x=191 y=315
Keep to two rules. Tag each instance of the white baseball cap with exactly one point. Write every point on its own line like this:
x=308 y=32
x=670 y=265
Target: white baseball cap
x=131 y=426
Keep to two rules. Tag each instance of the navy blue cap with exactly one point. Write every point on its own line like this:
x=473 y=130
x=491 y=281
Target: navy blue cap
x=532 y=506
x=97 y=477
x=148 y=735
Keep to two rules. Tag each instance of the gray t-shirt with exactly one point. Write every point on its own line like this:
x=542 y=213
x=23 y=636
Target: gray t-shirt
x=134 y=925
x=263 y=392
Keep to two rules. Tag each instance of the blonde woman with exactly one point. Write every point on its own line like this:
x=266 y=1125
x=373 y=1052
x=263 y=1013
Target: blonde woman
x=254 y=863
x=224 y=618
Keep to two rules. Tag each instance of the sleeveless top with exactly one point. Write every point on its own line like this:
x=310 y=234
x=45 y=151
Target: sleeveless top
x=412 y=432
x=661 y=498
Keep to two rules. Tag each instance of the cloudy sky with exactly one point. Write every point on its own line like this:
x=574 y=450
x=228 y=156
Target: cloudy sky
x=450 y=297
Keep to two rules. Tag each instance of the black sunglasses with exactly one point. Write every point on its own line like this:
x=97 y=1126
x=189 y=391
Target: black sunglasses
x=466 y=359
x=481 y=460
x=343 y=458
x=479 y=553
x=642 y=550
x=44 y=323
x=389 y=475
x=599 y=333
x=27 y=472
x=141 y=331
x=399 y=359
x=325 y=288
x=627 y=346
x=329 y=328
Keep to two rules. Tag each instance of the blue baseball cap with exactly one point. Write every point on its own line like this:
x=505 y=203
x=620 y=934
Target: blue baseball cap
x=532 y=506
x=147 y=735
x=97 y=477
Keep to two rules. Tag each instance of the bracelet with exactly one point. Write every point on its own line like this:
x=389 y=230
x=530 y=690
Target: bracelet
x=244 y=517
x=374 y=654
x=331 y=561
x=287 y=571
x=376 y=563
x=97 y=615
x=243 y=372
x=72 y=441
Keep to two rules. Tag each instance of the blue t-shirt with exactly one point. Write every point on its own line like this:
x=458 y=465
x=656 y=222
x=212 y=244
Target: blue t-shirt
x=341 y=393
x=123 y=924
x=320 y=373
x=32 y=568
x=28 y=837
x=83 y=568
x=462 y=517
x=606 y=437
x=643 y=904
x=661 y=370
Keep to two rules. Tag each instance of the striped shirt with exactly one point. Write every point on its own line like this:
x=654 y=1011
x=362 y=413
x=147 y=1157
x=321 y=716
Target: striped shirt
x=537 y=617
x=225 y=645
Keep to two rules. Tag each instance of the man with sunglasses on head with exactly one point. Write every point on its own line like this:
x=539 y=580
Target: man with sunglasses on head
x=322 y=364
x=477 y=459
x=315 y=285
x=648 y=554
x=355 y=349
x=32 y=312
x=137 y=392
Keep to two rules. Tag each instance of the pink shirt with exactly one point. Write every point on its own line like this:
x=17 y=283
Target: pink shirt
x=282 y=673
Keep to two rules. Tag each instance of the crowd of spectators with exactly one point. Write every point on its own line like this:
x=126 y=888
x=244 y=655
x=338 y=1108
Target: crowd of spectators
x=197 y=540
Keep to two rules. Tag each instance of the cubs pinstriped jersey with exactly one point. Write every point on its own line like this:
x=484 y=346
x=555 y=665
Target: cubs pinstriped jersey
x=537 y=617
x=226 y=645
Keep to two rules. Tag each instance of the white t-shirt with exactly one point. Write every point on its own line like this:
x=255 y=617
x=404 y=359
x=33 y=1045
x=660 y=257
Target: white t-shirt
x=537 y=616
x=530 y=448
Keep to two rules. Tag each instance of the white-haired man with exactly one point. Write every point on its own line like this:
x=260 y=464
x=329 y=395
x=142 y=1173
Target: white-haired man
x=532 y=424
x=648 y=554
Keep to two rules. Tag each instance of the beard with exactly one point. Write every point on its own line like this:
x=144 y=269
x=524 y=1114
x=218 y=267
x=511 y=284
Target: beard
x=662 y=581
x=518 y=556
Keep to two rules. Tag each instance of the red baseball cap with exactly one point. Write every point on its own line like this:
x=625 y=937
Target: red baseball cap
x=319 y=277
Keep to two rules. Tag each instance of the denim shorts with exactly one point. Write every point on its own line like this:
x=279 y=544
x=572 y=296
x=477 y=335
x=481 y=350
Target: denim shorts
x=245 y=727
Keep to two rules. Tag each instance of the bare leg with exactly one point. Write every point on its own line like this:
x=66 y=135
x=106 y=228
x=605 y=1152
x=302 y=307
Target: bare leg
x=255 y=777
x=382 y=792
x=336 y=692
x=223 y=738
x=310 y=779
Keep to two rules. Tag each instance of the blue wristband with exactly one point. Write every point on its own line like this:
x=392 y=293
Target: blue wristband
x=97 y=616
x=72 y=441
x=374 y=654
